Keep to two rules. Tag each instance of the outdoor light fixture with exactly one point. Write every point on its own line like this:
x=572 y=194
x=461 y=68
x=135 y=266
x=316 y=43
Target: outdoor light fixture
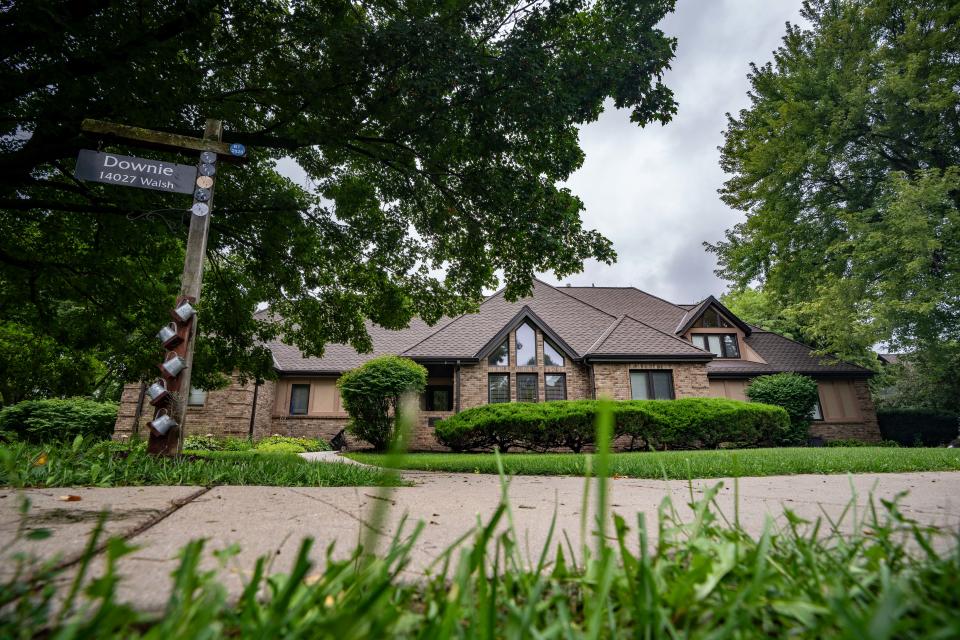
x=168 y=336
x=172 y=367
x=162 y=422
x=157 y=392
x=184 y=312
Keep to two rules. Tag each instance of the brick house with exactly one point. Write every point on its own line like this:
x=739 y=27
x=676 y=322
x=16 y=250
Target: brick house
x=559 y=343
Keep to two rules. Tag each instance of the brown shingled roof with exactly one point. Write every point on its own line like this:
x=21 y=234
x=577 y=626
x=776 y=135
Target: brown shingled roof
x=594 y=322
x=654 y=311
x=782 y=354
x=630 y=337
x=577 y=323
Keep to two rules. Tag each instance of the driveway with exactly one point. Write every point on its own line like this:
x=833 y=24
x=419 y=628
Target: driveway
x=273 y=520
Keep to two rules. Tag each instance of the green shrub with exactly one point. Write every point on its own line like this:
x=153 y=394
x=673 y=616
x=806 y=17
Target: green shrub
x=371 y=394
x=280 y=447
x=924 y=427
x=202 y=443
x=849 y=442
x=235 y=444
x=690 y=423
x=302 y=445
x=211 y=443
x=797 y=394
x=59 y=420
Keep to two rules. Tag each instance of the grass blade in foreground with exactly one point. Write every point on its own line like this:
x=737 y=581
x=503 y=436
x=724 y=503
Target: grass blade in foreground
x=706 y=579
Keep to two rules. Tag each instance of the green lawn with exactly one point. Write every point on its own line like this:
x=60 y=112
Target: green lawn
x=694 y=464
x=108 y=465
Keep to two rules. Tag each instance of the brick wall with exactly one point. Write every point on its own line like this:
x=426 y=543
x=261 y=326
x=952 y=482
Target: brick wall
x=225 y=412
x=689 y=378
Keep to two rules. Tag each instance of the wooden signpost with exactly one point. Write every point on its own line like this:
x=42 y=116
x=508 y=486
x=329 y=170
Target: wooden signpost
x=169 y=394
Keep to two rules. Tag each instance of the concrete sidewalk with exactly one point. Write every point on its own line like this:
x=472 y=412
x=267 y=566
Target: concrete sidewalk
x=272 y=521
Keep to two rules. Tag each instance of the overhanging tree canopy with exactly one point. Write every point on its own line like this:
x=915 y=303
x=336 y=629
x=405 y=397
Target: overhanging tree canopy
x=435 y=134
x=847 y=165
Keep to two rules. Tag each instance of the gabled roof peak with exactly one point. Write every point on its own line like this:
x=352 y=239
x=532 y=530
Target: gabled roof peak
x=691 y=316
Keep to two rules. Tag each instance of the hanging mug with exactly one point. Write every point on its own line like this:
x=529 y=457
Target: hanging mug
x=184 y=312
x=172 y=367
x=162 y=422
x=168 y=336
x=157 y=392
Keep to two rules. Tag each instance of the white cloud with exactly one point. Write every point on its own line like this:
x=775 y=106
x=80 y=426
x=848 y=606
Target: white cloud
x=653 y=191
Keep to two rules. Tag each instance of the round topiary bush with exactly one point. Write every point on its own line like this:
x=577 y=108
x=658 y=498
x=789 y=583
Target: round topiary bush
x=58 y=420
x=797 y=394
x=372 y=392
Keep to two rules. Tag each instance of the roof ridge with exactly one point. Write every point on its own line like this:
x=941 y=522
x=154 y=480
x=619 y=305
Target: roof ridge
x=583 y=302
x=606 y=334
x=653 y=295
x=669 y=335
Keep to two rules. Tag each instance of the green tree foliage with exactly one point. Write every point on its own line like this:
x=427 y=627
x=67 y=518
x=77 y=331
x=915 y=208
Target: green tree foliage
x=847 y=165
x=755 y=306
x=372 y=394
x=797 y=394
x=928 y=379
x=58 y=420
x=435 y=134
x=33 y=366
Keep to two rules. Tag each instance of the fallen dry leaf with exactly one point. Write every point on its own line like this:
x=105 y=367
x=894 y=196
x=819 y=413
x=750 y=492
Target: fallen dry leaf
x=41 y=460
x=70 y=498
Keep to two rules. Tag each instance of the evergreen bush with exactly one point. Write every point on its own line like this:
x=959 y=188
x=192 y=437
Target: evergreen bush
x=924 y=427
x=691 y=423
x=59 y=420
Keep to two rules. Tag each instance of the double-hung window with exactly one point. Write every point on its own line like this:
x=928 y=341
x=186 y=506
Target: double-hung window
x=651 y=385
x=722 y=345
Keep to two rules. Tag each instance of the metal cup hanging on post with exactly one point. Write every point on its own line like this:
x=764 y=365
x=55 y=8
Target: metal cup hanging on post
x=162 y=422
x=158 y=392
x=169 y=336
x=172 y=365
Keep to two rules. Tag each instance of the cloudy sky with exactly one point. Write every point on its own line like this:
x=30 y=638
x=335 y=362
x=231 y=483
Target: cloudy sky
x=653 y=191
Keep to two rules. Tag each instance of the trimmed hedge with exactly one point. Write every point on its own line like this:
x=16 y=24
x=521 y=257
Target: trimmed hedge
x=927 y=427
x=42 y=421
x=690 y=423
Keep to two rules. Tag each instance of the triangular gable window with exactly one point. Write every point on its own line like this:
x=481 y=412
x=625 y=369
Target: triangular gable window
x=500 y=357
x=551 y=355
x=711 y=319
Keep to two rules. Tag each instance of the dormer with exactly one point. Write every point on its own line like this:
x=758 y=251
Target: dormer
x=714 y=328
